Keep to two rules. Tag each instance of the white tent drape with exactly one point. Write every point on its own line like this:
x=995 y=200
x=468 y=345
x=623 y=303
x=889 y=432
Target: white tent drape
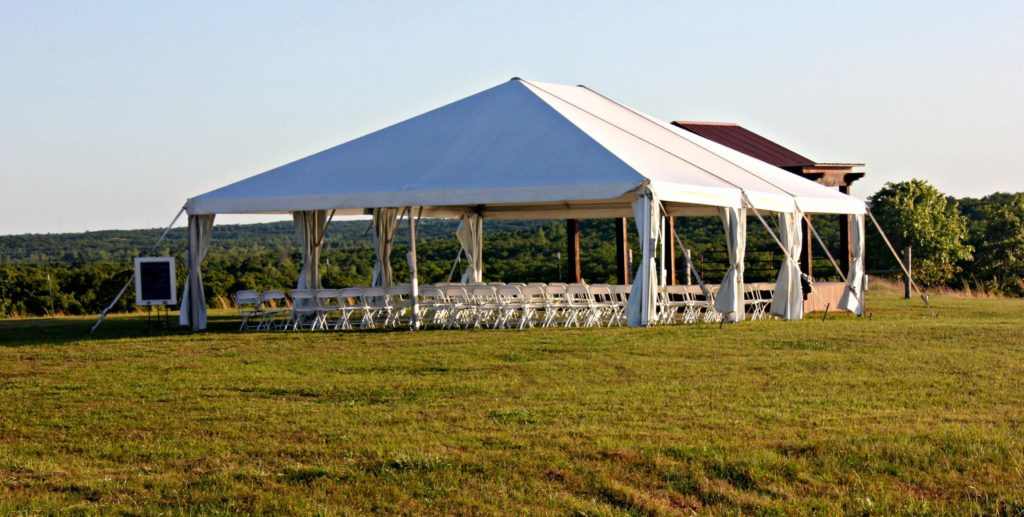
x=788 y=298
x=471 y=237
x=642 y=306
x=192 y=311
x=310 y=227
x=853 y=295
x=729 y=300
x=385 y=224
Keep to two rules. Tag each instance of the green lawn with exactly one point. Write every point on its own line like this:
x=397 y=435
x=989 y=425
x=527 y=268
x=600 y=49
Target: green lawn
x=915 y=410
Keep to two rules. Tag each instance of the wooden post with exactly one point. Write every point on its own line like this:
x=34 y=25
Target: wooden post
x=572 y=234
x=622 y=250
x=907 y=256
x=670 y=249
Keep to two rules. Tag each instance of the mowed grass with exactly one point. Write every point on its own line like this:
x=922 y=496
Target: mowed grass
x=915 y=410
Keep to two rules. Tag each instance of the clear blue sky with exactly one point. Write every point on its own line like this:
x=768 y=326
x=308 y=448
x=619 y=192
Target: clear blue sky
x=113 y=113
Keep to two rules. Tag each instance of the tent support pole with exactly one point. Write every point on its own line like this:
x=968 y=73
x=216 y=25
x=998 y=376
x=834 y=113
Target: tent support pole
x=414 y=319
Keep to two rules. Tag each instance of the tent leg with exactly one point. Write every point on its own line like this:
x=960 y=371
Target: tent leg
x=414 y=320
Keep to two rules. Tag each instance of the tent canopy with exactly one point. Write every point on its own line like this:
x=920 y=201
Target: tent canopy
x=522 y=150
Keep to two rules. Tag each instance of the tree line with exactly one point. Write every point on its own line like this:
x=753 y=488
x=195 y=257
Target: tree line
x=974 y=242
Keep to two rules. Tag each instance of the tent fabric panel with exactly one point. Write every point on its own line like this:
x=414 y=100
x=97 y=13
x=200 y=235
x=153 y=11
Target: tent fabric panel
x=852 y=298
x=704 y=157
x=500 y=145
x=729 y=299
x=787 y=298
x=641 y=308
x=470 y=234
x=192 y=311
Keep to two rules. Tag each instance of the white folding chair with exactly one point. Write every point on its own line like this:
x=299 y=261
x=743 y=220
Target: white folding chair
x=399 y=305
x=670 y=301
x=554 y=304
x=621 y=293
x=303 y=309
x=248 y=303
x=433 y=306
x=326 y=302
x=274 y=310
x=605 y=304
x=533 y=305
x=711 y=315
x=753 y=303
x=458 y=306
x=374 y=304
x=510 y=302
x=581 y=310
x=485 y=305
x=349 y=301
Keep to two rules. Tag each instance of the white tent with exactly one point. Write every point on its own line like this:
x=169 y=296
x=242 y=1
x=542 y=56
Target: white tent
x=527 y=150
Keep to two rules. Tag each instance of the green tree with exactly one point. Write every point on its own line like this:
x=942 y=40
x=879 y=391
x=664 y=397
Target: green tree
x=1000 y=246
x=914 y=213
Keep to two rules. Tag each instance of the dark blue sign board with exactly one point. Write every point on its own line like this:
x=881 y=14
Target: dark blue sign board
x=155 y=281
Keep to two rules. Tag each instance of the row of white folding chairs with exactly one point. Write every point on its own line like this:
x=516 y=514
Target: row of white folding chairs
x=686 y=304
x=757 y=299
x=495 y=305
x=476 y=305
x=322 y=309
x=522 y=305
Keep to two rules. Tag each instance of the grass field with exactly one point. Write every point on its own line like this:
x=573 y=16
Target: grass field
x=915 y=410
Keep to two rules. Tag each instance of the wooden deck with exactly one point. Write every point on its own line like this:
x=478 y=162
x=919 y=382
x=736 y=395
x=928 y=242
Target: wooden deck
x=824 y=293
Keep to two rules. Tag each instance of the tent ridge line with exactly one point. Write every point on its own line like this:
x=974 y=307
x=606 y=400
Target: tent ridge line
x=634 y=135
x=659 y=126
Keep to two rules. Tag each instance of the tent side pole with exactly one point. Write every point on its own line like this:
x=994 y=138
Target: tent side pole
x=414 y=320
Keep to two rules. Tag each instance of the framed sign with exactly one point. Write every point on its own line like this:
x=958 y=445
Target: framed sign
x=155 y=282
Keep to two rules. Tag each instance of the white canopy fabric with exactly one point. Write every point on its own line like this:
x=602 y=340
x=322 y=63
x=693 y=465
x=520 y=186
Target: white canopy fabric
x=385 y=225
x=641 y=310
x=787 y=298
x=310 y=228
x=852 y=298
x=192 y=311
x=471 y=236
x=530 y=148
x=729 y=299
